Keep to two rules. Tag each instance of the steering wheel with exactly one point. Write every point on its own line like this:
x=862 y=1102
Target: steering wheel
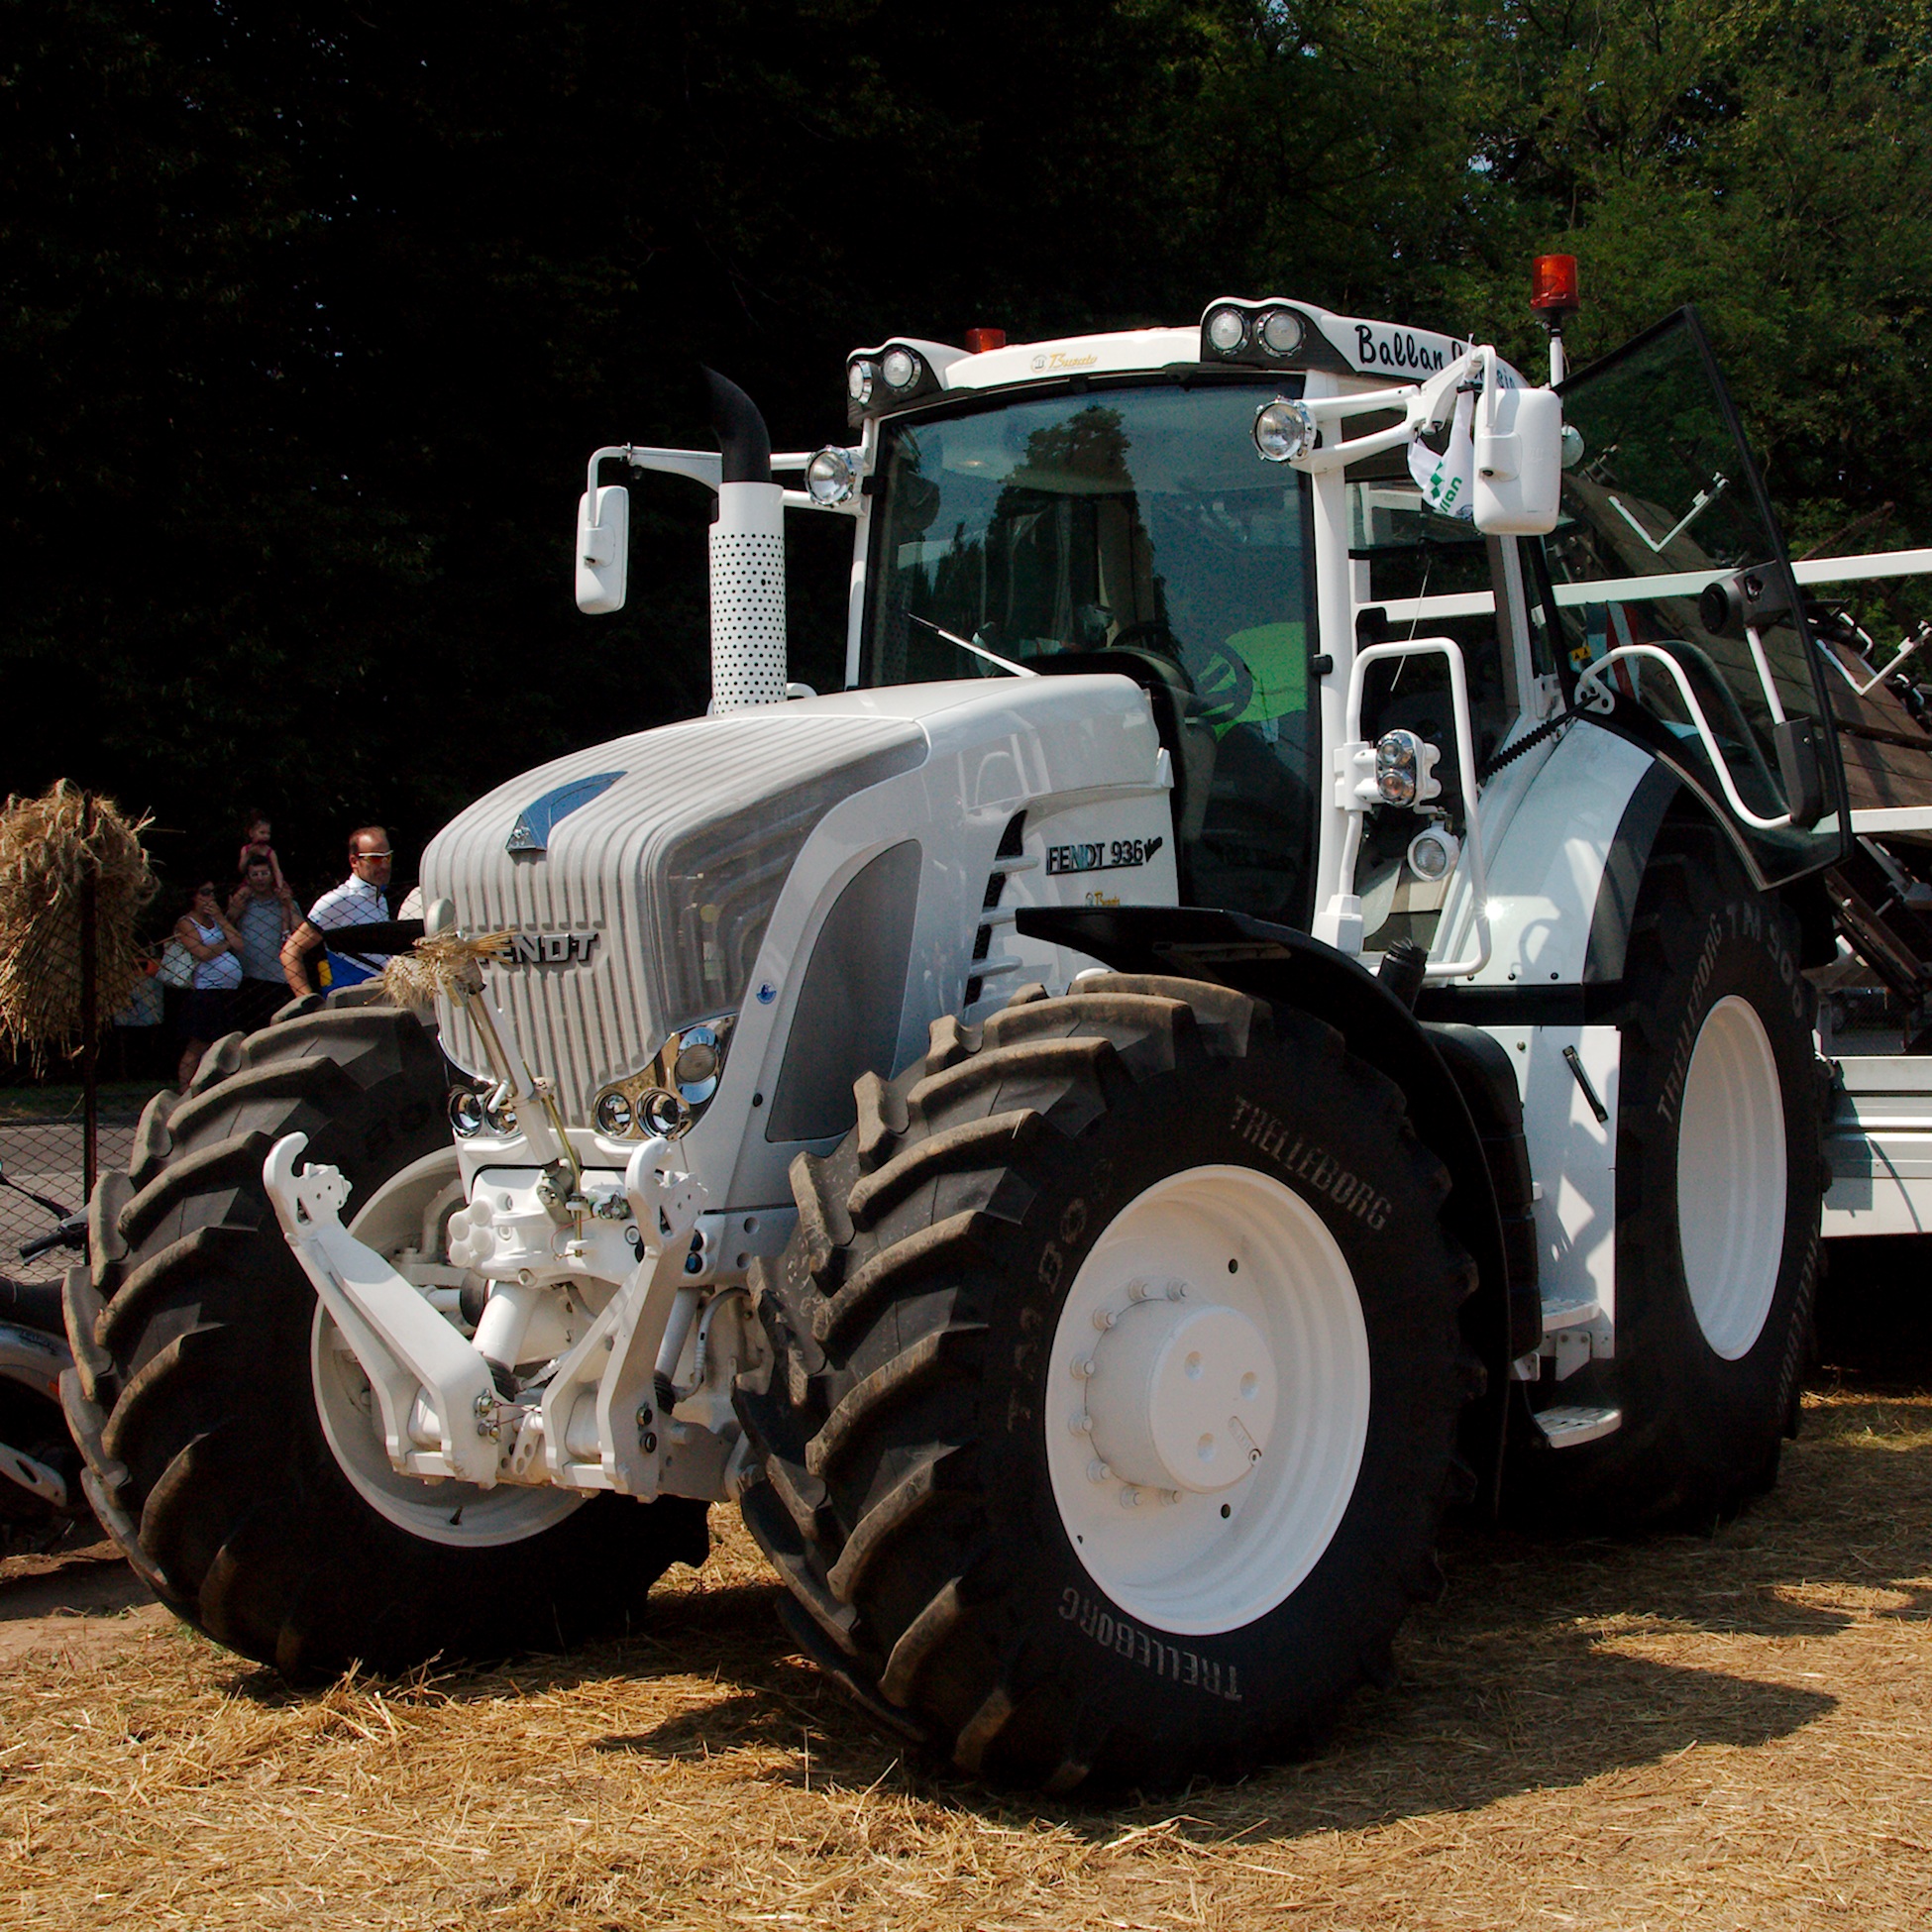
x=1150 y=634
x=1223 y=687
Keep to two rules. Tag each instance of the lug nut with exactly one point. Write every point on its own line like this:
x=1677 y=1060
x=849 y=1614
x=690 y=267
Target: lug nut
x=1098 y=1471
x=1129 y=1497
x=1084 y=1367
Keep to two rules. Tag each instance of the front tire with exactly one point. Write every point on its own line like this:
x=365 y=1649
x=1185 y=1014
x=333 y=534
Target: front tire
x=1115 y=1377
x=217 y=1416
x=1720 y=1187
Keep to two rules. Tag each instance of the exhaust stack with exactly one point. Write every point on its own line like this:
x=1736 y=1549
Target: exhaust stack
x=747 y=558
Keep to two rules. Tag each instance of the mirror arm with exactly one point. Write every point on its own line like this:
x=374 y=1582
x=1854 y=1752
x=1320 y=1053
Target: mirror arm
x=700 y=465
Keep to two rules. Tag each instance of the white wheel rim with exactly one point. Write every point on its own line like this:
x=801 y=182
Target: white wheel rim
x=1731 y=1177
x=409 y=1211
x=1288 y=1319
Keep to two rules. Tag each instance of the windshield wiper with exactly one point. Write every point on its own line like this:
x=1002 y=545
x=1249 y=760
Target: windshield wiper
x=978 y=650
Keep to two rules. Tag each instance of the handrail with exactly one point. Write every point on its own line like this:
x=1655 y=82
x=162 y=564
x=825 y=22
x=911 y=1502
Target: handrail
x=1594 y=676
x=1465 y=764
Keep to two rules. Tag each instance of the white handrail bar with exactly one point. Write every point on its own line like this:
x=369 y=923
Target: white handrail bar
x=1466 y=765
x=1594 y=676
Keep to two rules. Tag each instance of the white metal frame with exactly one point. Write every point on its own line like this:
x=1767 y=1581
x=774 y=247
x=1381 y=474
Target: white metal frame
x=1341 y=915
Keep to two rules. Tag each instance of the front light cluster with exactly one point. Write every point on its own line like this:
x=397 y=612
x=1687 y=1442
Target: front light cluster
x=670 y=1095
x=1404 y=767
x=886 y=379
x=472 y=1111
x=1260 y=333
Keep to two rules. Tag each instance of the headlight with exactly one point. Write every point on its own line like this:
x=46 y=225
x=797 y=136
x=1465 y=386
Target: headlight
x=668 y=1096
x=858 y=380
x=1397 y=767
x=1283 y=430
x=1227 y=329
x=900 y=368
x=1432 y=853
x=695 y=1068
x=830 y=476
x=1281 y=331
x=466 y=1111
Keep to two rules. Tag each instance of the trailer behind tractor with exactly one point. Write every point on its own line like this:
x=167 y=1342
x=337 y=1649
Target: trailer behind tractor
x=1280 y=996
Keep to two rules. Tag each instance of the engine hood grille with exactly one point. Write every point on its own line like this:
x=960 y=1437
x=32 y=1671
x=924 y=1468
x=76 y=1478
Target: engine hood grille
x=639 y=876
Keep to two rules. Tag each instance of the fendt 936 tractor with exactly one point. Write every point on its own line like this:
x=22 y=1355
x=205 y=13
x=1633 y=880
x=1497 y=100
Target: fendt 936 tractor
x=1276 y=998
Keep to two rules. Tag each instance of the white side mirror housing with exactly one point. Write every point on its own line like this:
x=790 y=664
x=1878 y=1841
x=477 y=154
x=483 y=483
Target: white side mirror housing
x=602 y=549
x=1519 y=463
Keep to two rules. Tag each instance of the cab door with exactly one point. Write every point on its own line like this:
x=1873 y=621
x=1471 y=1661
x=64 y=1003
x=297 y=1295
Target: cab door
x=1683 y=624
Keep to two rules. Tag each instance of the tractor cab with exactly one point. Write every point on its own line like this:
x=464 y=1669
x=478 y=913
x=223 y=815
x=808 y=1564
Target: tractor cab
x=1133 y=529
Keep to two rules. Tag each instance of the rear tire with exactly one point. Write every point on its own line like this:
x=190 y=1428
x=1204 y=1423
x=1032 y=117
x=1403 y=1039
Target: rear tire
x=1720 y=1186
x=203 y=1373
x=1045 y=1604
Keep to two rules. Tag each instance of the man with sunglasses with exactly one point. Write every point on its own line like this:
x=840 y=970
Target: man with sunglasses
x=361 y=899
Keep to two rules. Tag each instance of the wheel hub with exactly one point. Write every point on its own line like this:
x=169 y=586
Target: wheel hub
x=1731 y=1177
x=1181 y=1395
x=1209 y=1400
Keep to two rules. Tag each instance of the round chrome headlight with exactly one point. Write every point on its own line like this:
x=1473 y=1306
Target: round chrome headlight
x=1397 y=760
x=1281 y=331
x=466 y=1111
x=696 y=1067
x=612 y=1114
x=1226 y=330
x=665 y=1114
x=900 y=368
x=830 y=476
x=858 y=380
x=1432 y=853
x=1283 y=430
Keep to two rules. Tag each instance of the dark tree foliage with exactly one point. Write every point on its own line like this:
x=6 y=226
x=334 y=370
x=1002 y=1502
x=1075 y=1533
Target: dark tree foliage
x=312 y=314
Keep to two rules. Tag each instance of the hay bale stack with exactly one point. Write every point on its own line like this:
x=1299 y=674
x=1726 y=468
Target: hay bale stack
x=50 y=847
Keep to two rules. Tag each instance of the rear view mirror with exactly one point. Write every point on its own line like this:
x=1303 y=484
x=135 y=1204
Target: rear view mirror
x=602 y=549
x=1519 y=463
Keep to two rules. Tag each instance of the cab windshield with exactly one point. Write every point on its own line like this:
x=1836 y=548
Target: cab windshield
x=1133 y=530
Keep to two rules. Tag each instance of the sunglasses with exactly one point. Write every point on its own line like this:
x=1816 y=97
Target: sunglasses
x=374 y=855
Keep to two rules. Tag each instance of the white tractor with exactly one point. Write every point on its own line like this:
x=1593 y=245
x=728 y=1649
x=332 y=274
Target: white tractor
x=1276 y=997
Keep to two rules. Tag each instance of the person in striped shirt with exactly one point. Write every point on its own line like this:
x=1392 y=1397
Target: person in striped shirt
x=361 y=899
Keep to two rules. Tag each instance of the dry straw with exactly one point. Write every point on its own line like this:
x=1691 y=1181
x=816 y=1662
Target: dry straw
x=440 y=964
x=1699 y=1734
x=50 y=847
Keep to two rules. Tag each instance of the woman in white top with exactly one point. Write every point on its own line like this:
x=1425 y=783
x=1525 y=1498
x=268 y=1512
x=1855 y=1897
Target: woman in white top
x=216 y=948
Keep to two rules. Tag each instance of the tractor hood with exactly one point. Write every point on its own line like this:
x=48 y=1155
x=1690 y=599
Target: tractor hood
x=636 y=879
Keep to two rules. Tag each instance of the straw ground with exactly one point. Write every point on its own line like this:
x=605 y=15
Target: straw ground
x=1722 y=1733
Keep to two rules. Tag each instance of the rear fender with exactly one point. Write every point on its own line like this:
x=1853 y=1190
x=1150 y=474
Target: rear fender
x=1441 y=1073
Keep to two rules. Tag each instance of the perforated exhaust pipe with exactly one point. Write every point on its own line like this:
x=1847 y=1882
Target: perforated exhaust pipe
x=747 y=558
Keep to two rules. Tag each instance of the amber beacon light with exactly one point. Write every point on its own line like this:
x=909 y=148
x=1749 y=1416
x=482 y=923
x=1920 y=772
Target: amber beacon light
x=1553 y=285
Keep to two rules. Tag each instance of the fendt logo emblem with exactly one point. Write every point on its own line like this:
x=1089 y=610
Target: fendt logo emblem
x=551 y=948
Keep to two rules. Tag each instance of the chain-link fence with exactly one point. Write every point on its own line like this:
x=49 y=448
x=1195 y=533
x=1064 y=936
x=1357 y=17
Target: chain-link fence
x=42 y=1152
